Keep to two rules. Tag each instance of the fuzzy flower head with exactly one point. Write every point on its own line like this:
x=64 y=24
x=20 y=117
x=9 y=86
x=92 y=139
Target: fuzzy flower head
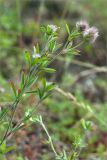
x=82 y=25
x=91 y=34
x=37 y=55
x=53 y=27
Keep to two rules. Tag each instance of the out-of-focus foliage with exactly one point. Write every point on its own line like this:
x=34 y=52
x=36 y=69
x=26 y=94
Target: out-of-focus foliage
x=20 y=23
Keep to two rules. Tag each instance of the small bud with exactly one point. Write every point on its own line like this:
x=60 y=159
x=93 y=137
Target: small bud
x=19 y=91
x=21 y=124
x=12 y=86
x=24 y=95
x=2 y=90
x=37 y=55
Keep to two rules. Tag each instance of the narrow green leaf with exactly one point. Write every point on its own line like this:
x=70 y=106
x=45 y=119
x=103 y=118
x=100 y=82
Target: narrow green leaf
x=49 y=70
x=45 y=96
x=9 y=149
x=3 y=112
x=28 y=57
x=40 y=93
x=32 y=91
x=52 y=46
x=34 y=49
x=13 y=88
x=50 y=87
x=3 y=147
x=37 y=48
x=74 y=34
x=43 y=29
x=83 y=124
x=67 y=28
x=22 y=80
x=44 y=83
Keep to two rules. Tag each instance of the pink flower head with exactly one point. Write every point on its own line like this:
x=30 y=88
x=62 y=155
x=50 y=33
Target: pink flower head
x=91 y=33
x=82 y=25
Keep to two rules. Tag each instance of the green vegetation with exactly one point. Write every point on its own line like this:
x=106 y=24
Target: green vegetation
x=53 y=78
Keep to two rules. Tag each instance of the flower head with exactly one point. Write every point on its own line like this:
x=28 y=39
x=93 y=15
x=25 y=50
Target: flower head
x=82 y=25
x=37 y=55
x=53 y=27
x=91 y=33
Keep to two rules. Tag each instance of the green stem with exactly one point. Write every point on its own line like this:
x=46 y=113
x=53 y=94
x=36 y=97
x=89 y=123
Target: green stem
x=79 y=44
x=49 y=137
x=9 y=125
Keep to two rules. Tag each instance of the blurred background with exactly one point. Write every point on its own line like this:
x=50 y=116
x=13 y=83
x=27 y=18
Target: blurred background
x=20 y=22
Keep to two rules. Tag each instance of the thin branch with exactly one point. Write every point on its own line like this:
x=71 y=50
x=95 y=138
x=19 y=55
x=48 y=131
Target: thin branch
x=73 y=99
x=90 y=72
x=68 y=95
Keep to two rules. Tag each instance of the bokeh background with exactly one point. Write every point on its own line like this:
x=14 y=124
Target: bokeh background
x=20 y=22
